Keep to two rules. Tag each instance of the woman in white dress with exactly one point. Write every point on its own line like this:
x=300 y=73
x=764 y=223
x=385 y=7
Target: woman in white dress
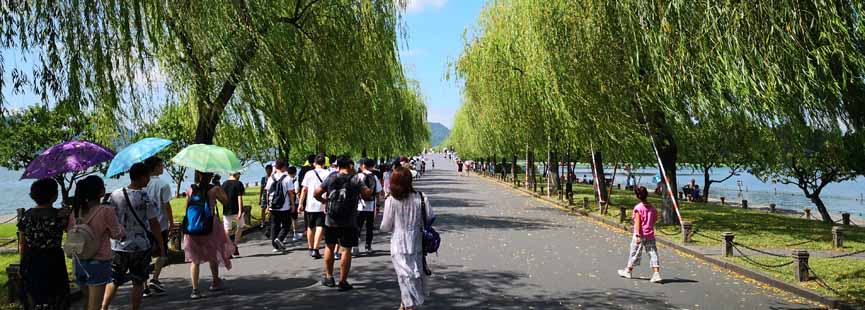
x=402 y=215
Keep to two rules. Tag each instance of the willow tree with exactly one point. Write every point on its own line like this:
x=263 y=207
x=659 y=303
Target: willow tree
x=102 y=56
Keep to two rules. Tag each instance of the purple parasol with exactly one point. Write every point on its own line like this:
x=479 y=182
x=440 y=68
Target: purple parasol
x=70 y=156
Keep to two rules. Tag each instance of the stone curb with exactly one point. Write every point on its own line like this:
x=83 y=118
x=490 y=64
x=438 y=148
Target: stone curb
x=832 y=302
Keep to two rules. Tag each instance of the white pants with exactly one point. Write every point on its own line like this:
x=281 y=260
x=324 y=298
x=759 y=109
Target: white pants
x=227 y=219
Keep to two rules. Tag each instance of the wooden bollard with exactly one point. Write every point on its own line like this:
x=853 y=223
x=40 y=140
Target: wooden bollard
x=771 y=208
x=723 y=200
x=619 y=186
x=808 y=213
x=247 y=214
x=586 y=203
x=744 y=203
x=687 y=228
x=681 y=195
x=838 y=237
x=845 y=219
x=15 y=282
x=800 y=265
x=728 y=243
x=622 y=214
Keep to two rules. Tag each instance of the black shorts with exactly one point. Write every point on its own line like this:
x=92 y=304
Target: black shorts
x=128 y=266
x=164 y=241
x=346 y=237
x=314 y=219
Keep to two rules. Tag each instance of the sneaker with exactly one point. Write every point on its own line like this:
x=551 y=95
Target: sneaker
x=236 y=251
x=311 y=252
x=299 y=236
x=355 y=251
x=368 y=249
x=344 y=286
x=147 y=292
x=278 y=244
x=329 y=282
x=337 y=256
x=624 y=273
x=295 y=237
x=316 y=254
x=656 y=278
x=195 y=294
x=217 y=285
x=156 y=287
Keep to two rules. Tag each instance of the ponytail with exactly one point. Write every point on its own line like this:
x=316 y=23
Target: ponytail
x=87 y=190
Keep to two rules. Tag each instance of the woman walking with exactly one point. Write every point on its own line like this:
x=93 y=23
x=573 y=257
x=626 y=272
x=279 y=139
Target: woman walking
x=645 y=216
x=43 y=265
x=95 y=272
x=403 y=215
x=214 y=247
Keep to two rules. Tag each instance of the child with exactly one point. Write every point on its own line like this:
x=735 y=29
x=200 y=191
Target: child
x=645 y=216
x=43 y=264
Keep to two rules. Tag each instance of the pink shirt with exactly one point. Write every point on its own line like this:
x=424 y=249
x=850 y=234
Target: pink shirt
x=648 y=216
x=105 y=226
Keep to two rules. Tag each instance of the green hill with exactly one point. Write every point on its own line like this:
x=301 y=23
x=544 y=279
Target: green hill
x=438 y=133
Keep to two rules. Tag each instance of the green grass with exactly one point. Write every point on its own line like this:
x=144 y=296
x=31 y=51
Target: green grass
x=846 y=276
x=752 y=227
x=250 y=198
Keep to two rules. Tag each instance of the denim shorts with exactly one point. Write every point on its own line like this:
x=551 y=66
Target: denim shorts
x=92 y=272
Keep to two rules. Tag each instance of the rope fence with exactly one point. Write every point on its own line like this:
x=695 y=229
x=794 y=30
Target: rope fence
x=758 y=250
x=752 y=261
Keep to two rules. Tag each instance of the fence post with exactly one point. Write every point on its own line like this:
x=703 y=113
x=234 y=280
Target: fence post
x=744 y=203
x=681 y=195
x=838 y=237
x=845 y=219
x=13 y=272
x=687 y=228
x=622 y=214
x=800 y=265
x=247 y=214
x=723 y=200
x=771 y=208
x=808 y=213
x=728 y=243
x=586 y=203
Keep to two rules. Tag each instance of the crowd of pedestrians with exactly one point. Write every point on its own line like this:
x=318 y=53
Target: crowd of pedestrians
x=123 y=236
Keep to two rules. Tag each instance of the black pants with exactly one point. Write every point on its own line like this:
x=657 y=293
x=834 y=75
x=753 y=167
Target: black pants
x=280 y=224
x=367 y=217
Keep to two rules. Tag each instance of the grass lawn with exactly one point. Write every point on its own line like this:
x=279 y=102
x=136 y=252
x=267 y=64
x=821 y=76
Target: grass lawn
x=846 y=276
x=250 y=198
x=752 y=227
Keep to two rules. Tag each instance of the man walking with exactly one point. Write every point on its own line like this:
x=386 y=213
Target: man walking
x=282 y=194
x=313 y=212
x=233 y=212
x=139 y=217
x=160 y=193
x=367 y=210
x=344 y=191
x=262 y=194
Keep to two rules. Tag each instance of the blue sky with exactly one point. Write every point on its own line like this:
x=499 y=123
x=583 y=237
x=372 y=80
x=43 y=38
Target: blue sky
x=435 y=37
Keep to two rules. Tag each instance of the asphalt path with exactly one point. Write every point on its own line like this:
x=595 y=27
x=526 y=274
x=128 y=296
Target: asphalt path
x=500 y=250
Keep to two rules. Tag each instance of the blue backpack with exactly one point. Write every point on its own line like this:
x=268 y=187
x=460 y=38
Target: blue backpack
x=198 y=219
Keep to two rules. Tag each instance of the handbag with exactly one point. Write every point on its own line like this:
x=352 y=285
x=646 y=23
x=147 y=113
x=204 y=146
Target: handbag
x=150 y=238
x=430 y=239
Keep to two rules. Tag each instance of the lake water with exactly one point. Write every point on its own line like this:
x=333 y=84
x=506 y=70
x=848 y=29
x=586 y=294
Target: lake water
x=18 y=190
x=839 y=197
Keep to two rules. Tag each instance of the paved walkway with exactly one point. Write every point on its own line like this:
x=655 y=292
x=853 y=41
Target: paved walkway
x=501 y=250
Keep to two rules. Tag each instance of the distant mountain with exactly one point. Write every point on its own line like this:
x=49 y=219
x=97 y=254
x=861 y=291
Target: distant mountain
x=438 y=133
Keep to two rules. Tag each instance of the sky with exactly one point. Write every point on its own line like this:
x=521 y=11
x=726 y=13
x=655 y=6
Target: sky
x=434 y=38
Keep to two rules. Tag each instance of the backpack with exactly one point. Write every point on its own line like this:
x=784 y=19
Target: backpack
x=277 y=193
x=431 y=238
x=81 y=243
x=341 y=201
x=198 y=219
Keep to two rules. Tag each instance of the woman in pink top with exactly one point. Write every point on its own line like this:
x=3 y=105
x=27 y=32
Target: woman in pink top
x=645 y=216
x=95 y=272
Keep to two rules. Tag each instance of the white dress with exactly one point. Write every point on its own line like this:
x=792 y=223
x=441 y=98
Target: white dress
x=403 y=217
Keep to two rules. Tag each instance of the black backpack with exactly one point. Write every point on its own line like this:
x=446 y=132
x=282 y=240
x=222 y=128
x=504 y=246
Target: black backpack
x=342 y=199
x=277 y=193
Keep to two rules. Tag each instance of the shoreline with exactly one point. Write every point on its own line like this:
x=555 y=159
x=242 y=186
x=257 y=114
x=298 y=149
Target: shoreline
x=815 y=215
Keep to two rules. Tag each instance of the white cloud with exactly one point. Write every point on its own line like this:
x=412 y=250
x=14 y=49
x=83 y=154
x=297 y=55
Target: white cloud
x=417 y=6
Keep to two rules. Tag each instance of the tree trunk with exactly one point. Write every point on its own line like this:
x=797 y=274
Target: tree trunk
x=668 y=152
x=514 y=168
x=64 y=190
x=600 y=179
x=707 y=182
x=821 y=207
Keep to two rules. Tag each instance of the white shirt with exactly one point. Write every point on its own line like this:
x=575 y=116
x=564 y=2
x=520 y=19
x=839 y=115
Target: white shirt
x=160 y=193
x=288 y=185
x=369 y=205
x=311 y=182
